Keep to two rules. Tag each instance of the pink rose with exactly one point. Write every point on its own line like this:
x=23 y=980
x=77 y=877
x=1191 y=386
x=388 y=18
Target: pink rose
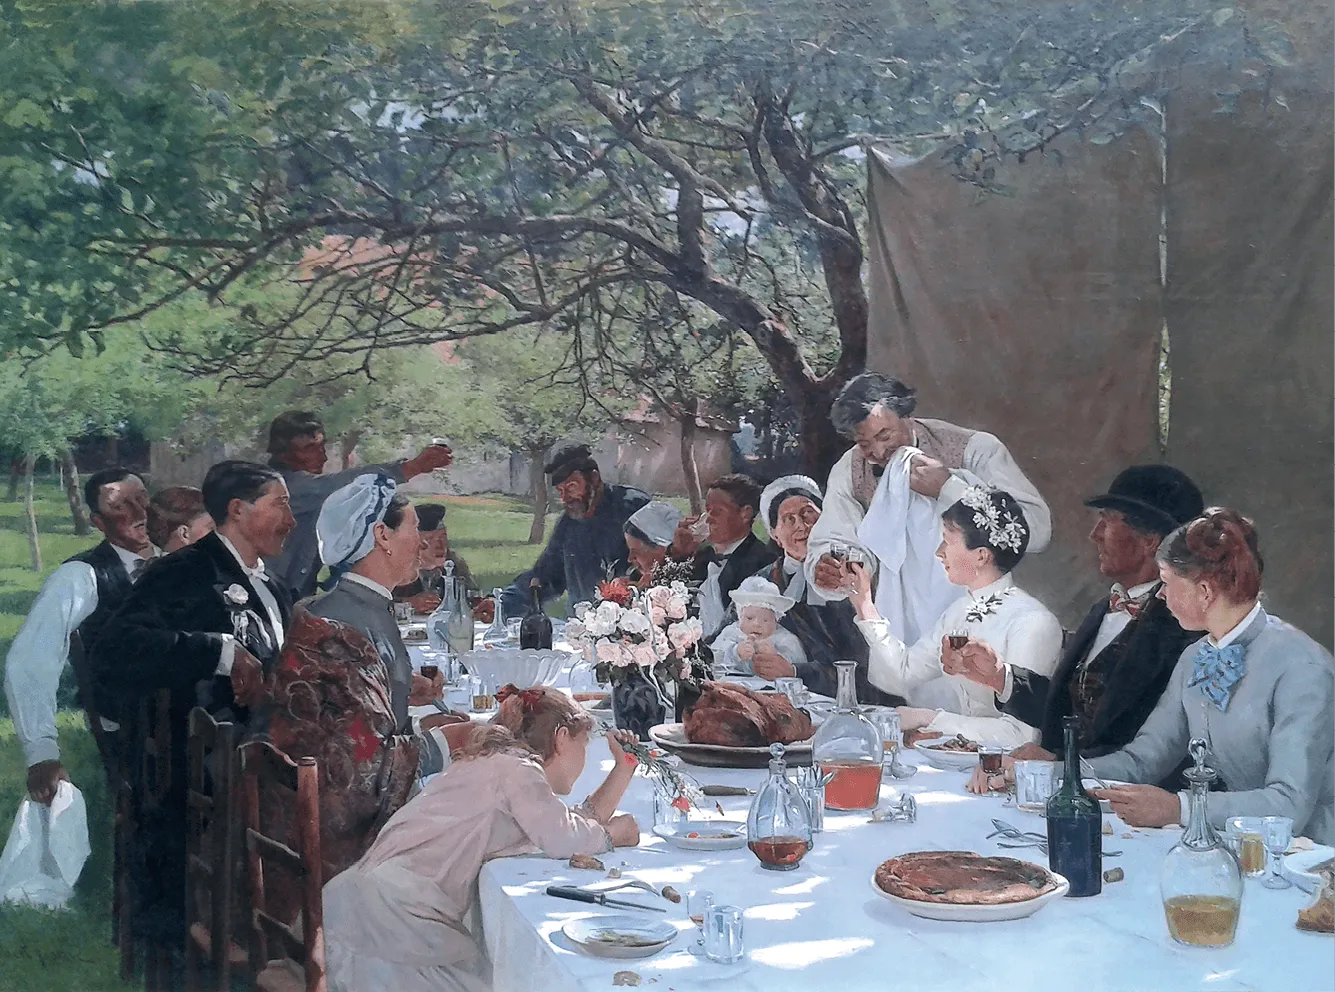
x=610 y=653
x=657 y=615
x=644 y=655
x=685 y=634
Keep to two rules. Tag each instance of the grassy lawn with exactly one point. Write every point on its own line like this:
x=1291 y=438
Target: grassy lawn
x=71 y=950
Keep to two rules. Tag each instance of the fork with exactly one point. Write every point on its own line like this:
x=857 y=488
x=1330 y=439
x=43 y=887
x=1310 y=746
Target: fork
x=631 y=883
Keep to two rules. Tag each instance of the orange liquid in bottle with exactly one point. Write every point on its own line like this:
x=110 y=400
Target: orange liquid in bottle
x=856 y=784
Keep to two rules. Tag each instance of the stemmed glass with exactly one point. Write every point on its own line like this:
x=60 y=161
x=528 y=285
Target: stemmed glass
x=1277 y=832
x=698 y=904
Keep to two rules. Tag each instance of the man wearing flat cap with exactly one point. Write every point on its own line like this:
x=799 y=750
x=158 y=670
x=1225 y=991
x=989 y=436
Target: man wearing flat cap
x=297 y=450
x=588 y=543
x=424 y=592
x=1117 y=664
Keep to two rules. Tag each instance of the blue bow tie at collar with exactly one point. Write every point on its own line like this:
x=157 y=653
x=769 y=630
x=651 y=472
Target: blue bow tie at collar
x=1218 y=670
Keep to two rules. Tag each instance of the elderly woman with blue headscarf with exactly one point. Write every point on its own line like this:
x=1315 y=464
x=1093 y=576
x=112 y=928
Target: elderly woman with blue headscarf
x=342 y=686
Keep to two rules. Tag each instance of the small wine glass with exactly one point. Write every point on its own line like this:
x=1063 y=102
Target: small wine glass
x=698 y=904
x=1277 y=832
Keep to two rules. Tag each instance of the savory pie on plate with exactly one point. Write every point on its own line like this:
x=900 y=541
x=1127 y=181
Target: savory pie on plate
x=966 y=887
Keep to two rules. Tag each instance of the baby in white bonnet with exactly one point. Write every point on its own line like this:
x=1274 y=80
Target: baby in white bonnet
x=756 y=632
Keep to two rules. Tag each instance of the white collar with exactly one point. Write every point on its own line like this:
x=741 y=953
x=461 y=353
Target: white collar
x=255 y=573
x=363 y=581
x=1236 y=632
x=724 y=550
x=1001 y=585
x=129 y=559
x=1135 y=592
x=791 y=566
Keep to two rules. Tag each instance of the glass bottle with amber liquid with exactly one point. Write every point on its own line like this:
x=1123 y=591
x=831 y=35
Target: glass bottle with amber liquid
x=1201 y=882
x=535 y=630
x=848 y=749
x=778 y=825
x=1075 y=824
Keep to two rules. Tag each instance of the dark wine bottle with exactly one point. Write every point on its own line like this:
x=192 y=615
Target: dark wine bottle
x=535 y=630
x=1075 y=824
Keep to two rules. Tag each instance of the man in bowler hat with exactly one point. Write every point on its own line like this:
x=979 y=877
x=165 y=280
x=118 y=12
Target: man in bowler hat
x=1118 y=662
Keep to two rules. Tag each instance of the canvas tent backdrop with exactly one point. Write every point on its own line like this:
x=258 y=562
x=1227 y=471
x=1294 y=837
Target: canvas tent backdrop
x=1038 y=315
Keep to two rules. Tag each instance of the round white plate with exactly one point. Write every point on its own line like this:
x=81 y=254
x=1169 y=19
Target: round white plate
x=711 y=835
x=954 y=761
x=952 y=913
x=630 y=936
x=1302 y=862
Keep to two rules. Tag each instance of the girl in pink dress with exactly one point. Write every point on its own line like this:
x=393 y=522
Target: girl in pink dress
x=406 y=916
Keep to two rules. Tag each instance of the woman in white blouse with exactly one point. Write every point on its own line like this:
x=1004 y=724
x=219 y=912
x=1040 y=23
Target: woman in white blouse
x=984 y=536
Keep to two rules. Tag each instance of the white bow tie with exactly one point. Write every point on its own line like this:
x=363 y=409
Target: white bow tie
x=257 y=572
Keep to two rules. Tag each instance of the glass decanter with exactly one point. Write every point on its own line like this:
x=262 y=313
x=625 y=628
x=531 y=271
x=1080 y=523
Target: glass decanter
x=1201 y=882
x=847 y=748
x=778 y=825
x=450 y=627
x=496 y=635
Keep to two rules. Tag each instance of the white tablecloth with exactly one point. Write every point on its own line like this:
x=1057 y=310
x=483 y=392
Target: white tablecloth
x=821 y=926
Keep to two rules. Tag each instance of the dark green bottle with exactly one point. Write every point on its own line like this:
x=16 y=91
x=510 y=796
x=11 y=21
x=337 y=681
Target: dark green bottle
x=1075 y=824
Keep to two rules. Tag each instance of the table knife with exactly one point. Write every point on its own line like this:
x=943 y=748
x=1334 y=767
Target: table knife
x=584 y=895
x=726 y=790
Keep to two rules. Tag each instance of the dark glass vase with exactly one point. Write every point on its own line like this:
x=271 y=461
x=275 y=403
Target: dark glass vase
x=636 y=704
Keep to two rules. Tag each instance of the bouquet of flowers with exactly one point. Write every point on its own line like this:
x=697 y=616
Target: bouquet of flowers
x=651 y=633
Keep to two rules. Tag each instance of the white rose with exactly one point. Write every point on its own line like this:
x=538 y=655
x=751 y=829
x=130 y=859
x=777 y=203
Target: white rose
x=634 y=622
x=602 y=622
x=236 y=595
x=581 y=611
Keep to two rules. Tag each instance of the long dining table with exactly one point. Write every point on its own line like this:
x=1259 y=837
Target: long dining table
x=823 y=925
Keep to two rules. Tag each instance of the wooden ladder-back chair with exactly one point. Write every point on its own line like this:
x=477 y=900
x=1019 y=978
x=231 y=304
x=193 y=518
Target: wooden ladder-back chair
x=155 y=782
x=212 y=822
x=301 y=961
x=114 y=751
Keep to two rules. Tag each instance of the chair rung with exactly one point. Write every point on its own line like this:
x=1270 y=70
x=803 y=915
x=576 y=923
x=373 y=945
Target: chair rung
x=267 y=848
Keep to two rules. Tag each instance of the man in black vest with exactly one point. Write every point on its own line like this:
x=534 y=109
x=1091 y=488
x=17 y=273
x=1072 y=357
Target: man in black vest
x=204 y=623
x=1118 y=662
x=78 y=596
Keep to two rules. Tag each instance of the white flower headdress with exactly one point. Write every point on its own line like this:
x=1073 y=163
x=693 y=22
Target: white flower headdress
x=1003 y=528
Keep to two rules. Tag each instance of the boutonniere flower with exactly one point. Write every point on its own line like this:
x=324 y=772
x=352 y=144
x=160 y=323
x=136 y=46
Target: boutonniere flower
x=236 y=596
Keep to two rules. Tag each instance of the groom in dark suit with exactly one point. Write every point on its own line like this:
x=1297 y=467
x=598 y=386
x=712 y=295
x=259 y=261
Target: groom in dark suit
x=205 y=623
x=1117 y=664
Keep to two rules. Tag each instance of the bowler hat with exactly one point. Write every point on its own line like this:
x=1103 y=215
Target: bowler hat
x=1156 y=498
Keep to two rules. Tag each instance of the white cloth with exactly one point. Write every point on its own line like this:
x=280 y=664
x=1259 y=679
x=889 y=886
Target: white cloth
x=1019 y=629
x=785 y=642
x=345 y=529
x=986 y=462
x=821 y=926
x=46 y=850
x=657 y=521
x=259 y=582
x=39 y=651
x=902 y=529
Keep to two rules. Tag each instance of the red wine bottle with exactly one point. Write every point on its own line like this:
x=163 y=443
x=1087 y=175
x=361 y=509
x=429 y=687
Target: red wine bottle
x=1075 y=824
x=535 y=630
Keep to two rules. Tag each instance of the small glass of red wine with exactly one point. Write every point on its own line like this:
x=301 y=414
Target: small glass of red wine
x=958 y=638
x=990 y=759
x=430 y=671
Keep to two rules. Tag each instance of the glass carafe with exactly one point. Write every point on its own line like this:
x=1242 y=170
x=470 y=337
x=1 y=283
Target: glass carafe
x=847 y=749
x=450 y=627
x=1200 y=882
x=778 y=826
x=496 y=635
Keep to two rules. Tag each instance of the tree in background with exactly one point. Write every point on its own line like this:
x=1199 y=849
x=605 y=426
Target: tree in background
x=523 y=159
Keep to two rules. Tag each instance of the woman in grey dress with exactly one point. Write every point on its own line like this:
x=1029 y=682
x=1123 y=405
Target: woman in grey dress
x=1258 y=690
